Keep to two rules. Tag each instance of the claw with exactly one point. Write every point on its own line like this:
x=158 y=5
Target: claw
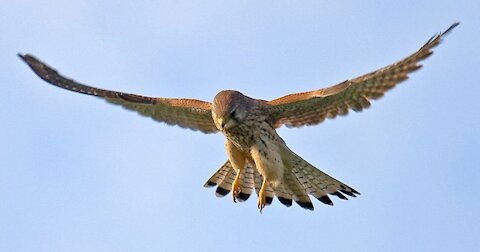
x=235 y=193
x=261 y=203
x=236 y=189
x=261 y=197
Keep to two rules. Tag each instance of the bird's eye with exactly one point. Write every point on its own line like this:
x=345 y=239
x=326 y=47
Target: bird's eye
x=232 y=115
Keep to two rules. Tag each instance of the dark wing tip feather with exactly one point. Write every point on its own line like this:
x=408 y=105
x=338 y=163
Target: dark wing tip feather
x=449 y=29
x=39 y=68
x=437 y=37
x=21 y=56
x=52 y=76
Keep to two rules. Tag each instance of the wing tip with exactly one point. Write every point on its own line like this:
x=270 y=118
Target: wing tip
x=449 y=29
x=21 y=56
x=437 y=38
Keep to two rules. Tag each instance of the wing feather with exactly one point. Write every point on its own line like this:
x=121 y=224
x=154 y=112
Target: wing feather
x=309 y=108
x=186 y=113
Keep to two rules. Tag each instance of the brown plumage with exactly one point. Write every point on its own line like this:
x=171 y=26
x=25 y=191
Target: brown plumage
x=258 y=158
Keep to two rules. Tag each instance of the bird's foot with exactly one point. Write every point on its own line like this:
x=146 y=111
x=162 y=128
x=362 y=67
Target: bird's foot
x=261 y=199
x=236 y=189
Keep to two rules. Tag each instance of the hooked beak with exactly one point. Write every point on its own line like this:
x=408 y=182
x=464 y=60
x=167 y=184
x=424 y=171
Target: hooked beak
x=220 y=122
x=225 y=123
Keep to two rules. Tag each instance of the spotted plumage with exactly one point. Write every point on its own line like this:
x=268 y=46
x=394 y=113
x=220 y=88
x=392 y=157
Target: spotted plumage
x=258 y=158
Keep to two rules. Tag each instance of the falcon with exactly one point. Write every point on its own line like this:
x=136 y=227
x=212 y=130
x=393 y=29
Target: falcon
x=258 y=157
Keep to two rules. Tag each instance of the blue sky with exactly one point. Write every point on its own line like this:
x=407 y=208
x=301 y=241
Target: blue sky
x=78 y=174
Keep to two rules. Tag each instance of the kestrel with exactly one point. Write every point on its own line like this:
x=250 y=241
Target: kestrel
x=257 y=156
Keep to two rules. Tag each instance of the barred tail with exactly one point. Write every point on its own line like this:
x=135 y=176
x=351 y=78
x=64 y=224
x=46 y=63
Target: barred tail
x=316 y=182
x=300 y=180
x=249 y=179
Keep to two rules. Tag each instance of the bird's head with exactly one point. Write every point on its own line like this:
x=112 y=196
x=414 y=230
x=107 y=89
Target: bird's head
x=229 y=108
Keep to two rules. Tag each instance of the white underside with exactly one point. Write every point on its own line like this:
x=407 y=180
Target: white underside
x=268 y=160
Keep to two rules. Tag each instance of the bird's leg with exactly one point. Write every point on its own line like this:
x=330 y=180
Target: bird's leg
x=237 y=159
x=236 y=189
x=261 y=196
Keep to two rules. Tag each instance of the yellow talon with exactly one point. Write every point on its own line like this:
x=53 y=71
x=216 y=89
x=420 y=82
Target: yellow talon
x=236 y=189
x=261 y=196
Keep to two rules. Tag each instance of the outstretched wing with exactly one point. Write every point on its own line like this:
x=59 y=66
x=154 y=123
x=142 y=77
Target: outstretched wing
x=186 y=113
x=313 y=107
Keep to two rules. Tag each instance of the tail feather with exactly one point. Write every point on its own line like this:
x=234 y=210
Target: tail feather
x=284 y=195
x=311 y=188
x=318 y=183
x=269 y=195
x=300 y=180
x=219 y=175
x=258 y=180
x=226 y=185
x=225 y=176
x=291 y=190
x=299 y=192
x=246 y=183
x=269 y=192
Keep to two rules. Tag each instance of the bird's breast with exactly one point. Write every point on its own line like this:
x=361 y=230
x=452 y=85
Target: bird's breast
x=241 y=136
x=266 y=153
x=247 y=135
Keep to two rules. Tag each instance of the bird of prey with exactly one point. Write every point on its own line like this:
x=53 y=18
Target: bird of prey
x=258 y=157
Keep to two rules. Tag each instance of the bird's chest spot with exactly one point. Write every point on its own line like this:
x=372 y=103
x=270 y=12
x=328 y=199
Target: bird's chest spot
x=264 y=145
x=266 y=153
x=252 y=133
x=243 y=136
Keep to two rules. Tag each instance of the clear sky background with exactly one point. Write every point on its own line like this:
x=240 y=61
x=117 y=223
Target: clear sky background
x=78 y=174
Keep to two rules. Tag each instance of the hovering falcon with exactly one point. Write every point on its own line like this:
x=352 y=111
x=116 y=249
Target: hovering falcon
x=258 y=157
